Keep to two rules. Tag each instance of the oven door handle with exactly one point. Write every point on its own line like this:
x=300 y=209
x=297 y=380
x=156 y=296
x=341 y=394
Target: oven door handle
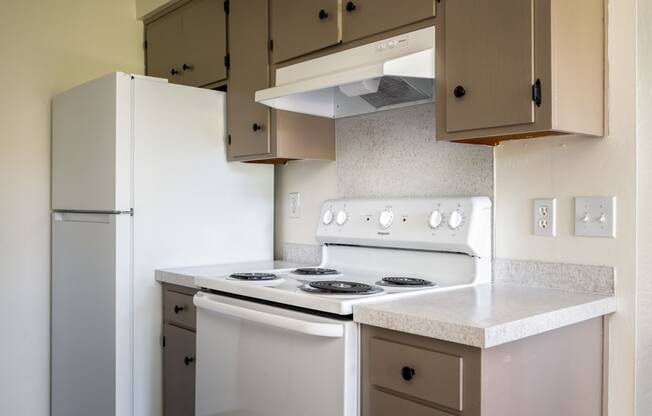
x=319 y=329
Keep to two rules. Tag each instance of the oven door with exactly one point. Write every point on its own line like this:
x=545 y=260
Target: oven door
x=259 y=360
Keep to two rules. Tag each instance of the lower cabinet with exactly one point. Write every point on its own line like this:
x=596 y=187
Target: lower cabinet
x=555 y=373
x=178 y=351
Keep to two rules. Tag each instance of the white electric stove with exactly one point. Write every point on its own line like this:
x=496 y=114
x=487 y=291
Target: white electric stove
x=282 y=342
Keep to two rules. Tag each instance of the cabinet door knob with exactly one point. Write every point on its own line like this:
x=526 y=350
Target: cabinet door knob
x=178 y=308
x=407 y=373
x=174 y=72
x=256 y=127
x=350 y=6
x=459 y=91
x=323 y=14
x=187 y=67
x=188 y=360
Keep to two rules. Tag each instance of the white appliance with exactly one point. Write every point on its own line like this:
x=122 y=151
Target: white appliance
x=283 y=342
x=390 y=73
x=139 y=181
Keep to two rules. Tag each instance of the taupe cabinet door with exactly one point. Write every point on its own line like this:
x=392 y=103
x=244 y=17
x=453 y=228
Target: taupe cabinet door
x=204 y=42
x=362 y=18
x=301 y=27
x=489 y=63
x=164 y=47
x=248 y=122
x=187 y=46
x=179 y=368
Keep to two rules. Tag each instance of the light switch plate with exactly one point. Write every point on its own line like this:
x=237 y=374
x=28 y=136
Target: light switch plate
x=595 y=216
x=294 y=205
x=545 y=215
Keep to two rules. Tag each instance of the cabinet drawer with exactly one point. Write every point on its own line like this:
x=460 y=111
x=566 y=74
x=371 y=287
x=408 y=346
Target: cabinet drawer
x=417 y=372
x=179 y=309
x=383 y=404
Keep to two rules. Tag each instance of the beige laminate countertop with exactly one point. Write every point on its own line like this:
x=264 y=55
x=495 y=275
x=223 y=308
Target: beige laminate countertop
x=486 y=315
x=185 y=276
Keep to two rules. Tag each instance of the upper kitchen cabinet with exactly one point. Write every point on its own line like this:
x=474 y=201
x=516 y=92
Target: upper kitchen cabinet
x=248 y=121
x=188 y=44
x=301 y=27
x=511 y=69
x=256 y=133
x=362 y=18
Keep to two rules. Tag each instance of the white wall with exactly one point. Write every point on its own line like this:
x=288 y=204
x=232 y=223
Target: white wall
x=46 y=47
x=565 y=167
x=644 y=237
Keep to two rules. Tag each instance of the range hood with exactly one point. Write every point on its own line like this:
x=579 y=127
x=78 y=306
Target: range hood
x=391 y=73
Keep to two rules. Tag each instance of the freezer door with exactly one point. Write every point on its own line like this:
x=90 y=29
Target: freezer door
x=91 y=315
x=91 y=146
x=259 y=360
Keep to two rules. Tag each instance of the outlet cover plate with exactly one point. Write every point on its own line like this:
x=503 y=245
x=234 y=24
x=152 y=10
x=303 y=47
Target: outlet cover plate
x=595 y=216
x=545 y=217
x=294 y=205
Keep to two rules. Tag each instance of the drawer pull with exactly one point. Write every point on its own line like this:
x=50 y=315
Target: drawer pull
x=459 y=91
x=407 y=373
x=188 y=360
x=178 y=309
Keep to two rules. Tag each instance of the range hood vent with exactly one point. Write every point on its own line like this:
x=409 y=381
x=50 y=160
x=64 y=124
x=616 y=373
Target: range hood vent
x=392 y=73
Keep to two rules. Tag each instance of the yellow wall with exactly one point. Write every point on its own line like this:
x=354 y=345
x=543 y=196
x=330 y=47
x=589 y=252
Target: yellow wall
x=644 y=237
x=145 y=7
x=45 y=47
x=565 y=167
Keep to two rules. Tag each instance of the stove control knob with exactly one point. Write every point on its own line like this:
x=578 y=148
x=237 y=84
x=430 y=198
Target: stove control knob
x=341 y=217
x=435 y=219
x=455 y=220
x=328 y=217
x=385 y=219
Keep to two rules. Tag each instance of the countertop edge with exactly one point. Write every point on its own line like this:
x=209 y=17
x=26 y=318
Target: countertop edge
x=175 y=279
x=490 y=336
x=545 y=322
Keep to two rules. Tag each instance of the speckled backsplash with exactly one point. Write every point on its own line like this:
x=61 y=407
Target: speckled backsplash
x=573 y=277
x=395 y=154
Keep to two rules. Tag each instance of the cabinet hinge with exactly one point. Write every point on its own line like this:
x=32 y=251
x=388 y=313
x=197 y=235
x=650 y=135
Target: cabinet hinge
x=145 y=44
x=536 y=92
x=226 y=6
x=229 y=140
x=271 y=45
x=163 y=341
x=227 y=61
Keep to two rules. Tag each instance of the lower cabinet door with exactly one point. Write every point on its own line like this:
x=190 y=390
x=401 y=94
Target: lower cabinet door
x=179 y=372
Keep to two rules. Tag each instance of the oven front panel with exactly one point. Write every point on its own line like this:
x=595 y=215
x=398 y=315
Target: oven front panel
x=260 y=360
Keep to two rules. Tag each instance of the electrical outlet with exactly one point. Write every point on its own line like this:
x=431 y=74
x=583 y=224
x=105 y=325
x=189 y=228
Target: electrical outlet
x=294 y=205
x=595 y=216
x=545 y=210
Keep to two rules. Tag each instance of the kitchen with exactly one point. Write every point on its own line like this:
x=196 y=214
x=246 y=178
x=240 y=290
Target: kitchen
x=382 y=155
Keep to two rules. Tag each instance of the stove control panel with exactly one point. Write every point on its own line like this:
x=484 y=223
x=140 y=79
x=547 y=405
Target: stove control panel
x=461 y=225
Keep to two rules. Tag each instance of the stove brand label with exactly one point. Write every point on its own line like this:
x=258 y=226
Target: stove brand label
x=383 y=232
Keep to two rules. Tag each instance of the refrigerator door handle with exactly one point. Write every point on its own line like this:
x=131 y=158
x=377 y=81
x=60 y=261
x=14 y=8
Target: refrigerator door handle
x=81 y=211
x=309 y=328
x=96 y=217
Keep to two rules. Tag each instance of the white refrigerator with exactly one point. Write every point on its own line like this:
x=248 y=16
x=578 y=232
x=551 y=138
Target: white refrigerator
x=140 y=181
